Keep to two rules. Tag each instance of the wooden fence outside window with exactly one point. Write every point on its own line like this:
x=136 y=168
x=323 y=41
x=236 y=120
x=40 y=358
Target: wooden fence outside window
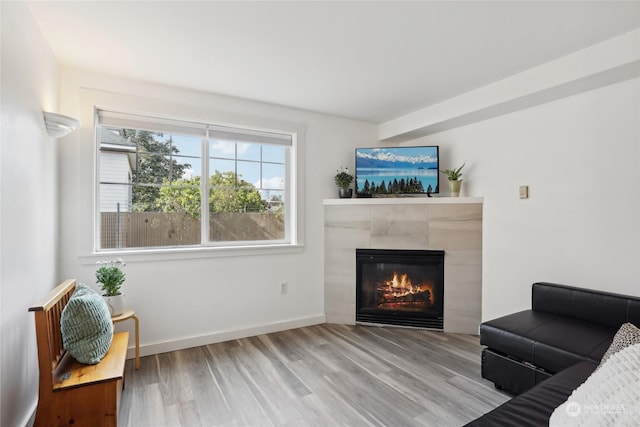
x=161 y=229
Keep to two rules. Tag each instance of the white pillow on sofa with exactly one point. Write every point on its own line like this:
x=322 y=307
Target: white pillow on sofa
x=609 y=397
x=627 y=335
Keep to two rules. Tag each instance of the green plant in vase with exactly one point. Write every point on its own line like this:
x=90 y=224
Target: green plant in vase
x=453 y=175
x=111 y=278
x=343 y=180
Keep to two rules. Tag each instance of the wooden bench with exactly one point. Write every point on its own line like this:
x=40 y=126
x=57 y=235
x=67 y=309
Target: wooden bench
x=71 y=393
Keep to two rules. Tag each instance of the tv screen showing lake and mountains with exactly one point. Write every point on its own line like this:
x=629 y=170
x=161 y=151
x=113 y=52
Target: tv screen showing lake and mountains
x=397 y=170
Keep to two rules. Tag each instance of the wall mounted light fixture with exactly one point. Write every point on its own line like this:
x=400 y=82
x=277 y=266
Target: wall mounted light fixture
x=59 y=125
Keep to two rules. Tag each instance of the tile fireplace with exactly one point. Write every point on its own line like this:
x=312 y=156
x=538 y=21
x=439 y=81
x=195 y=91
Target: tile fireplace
x=449 y=224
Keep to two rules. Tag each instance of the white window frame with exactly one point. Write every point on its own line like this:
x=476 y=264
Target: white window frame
x=159 y=122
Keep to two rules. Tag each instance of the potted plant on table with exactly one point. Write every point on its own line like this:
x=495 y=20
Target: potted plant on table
x=453 y=175
x=343 y=180
x=111 y=277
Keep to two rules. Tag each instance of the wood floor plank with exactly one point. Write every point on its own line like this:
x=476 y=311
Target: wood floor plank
x=280 y=364
x=210 y=402
x=188 y=413
x=268 y=388
x=322 y=375
x=173 y=376
x=371 y=397
x=154 y=409
x=246 y=409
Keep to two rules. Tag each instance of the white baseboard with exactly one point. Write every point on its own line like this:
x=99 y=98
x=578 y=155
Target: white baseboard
x=196 y=341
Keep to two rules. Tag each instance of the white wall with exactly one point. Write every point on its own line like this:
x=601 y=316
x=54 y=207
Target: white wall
x=190 y=301
x=581 y=158
x=28 y=204
x=569 y=129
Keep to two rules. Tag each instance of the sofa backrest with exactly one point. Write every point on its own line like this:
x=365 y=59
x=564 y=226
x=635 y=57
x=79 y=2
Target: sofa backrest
x=595 y=306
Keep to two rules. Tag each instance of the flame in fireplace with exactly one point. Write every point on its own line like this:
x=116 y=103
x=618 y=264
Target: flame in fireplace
x=400 y=286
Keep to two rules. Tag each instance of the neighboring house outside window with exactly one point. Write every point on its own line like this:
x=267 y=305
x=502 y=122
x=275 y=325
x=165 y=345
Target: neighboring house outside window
x=117 y=160
x=150 y=186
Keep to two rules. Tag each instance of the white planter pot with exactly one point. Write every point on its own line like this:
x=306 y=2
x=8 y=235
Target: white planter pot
x=115 y=304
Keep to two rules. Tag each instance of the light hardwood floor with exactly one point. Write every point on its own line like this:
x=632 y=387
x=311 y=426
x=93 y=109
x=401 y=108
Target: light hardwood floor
x=324 y=375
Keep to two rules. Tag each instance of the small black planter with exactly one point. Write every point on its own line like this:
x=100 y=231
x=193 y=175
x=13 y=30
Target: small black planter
x=345 y=193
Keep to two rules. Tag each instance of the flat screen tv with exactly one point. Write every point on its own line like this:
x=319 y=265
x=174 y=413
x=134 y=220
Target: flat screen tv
x=397 y=170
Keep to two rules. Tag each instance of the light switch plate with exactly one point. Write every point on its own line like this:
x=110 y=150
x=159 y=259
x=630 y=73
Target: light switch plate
x=524 y=191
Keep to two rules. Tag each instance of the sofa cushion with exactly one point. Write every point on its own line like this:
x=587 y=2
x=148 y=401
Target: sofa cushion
x=534 y=407
x=549 y=341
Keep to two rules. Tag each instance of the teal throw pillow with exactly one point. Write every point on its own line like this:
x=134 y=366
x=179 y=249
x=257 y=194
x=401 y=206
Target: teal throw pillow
x=86 y=326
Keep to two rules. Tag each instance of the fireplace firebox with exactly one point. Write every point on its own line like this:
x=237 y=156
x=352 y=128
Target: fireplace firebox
x=400 y=287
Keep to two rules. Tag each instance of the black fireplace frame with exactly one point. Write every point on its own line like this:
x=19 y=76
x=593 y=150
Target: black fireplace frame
x=429 y=320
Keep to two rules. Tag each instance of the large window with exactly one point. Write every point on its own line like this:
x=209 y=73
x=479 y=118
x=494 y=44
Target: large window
x=167 y=183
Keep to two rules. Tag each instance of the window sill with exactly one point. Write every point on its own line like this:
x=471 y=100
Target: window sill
x=174 y=254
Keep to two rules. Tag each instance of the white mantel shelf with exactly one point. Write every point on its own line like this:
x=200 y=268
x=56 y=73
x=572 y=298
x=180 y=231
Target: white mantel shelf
x=403 y=201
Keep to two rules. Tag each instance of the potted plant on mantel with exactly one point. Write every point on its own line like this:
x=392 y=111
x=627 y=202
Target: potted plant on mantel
x=453 y=175
x=111 y=278
x=343 y=180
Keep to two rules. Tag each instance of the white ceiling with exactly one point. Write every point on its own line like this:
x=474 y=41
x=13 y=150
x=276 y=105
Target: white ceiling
x=372 y=61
